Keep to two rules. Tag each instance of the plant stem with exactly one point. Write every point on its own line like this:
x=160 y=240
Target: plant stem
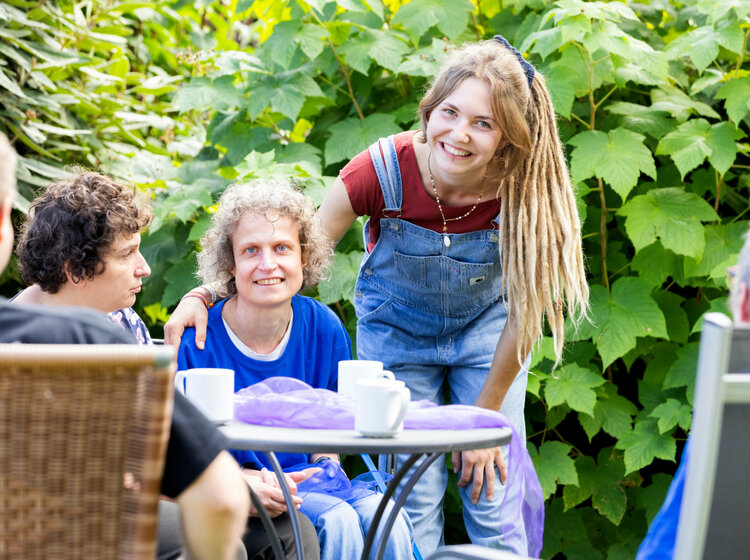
x=719 y=183
x=603 y=233
x=342 y=66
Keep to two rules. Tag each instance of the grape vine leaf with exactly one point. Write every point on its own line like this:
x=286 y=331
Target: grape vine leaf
x=201 y=92
x=618 y=157
x=682 y=372
x=644 y=444
x=602 y=482
x=373 y=44
x=620 y=317
x=553 y=464
x=670 y=215
x=573 y=386
x=655 y=264
x=736 y=96
x=286 y=92
x=723 y=245
x=340 y=284
x=419 y=15
x=695 y=140
x=670 y=414
x=351 y=136
x=613 y=413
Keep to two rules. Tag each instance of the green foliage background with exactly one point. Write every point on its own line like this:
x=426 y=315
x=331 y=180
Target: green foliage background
x=653 y=98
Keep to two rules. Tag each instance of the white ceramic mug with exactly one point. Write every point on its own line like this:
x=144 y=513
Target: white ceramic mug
x=380 y=407
x=211 y=390
x=351 y=371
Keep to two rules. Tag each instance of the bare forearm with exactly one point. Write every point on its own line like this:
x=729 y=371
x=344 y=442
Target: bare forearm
x=214 y=511
x=503 y=370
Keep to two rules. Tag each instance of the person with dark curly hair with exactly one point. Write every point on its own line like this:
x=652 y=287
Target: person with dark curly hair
x=80 y=246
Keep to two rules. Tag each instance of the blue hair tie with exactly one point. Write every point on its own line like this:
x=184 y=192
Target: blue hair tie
x=525 y=64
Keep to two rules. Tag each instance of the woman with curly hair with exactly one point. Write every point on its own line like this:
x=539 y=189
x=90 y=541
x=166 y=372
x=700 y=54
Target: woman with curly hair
x=80 y=247
x=265 y=246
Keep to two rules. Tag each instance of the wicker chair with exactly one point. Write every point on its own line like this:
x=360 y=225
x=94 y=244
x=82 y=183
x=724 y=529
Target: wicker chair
x=83 y=433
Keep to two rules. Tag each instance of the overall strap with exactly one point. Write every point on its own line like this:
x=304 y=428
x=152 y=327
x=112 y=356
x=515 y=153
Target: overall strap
x=388 y=173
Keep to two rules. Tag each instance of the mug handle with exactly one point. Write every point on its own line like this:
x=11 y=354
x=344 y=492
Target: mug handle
x=387 y=374
x=405 y=400
x=179 y=381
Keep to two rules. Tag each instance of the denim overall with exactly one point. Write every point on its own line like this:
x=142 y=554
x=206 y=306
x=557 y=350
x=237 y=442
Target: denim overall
x=432 y=312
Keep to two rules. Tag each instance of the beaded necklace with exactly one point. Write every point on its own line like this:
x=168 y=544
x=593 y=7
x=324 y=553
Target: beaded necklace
x=446 y=238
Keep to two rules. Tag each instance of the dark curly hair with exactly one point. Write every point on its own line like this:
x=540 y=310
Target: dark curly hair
x=74 y=223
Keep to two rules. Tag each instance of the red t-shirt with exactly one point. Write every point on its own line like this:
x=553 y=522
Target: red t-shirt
x=417 y=206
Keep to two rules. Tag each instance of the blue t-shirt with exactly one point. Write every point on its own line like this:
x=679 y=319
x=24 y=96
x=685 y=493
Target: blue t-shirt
x=317 y=343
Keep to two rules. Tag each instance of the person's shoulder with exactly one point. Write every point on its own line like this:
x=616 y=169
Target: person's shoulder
x=313 y=307
x=404 y=140
x=318 y=314
x=58 y=325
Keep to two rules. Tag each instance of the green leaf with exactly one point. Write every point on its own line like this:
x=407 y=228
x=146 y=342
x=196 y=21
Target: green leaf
x=180 y=280
x=644 y=444
x=682 y=372
x=385 y=48
x=642 y=119
x=723 y=245
x=201 y=93
x=670 y=414
x=311 y=39
x=574 y=386
x=613 y=412
x=340 y=284
x=721 y=139
x=618 y=157
x=655 y=264
x=419 y=15
x=679 y=104
x=651 y=498
x=602 y=482
x=282 y=44
x=678 y=326
x=671 y=215
x=561 y=90
x=695 y=140
x=424 y=62
x=351 y=136
x=736 y=96
x=622 y=316
x=286 y=91
x=553 y=464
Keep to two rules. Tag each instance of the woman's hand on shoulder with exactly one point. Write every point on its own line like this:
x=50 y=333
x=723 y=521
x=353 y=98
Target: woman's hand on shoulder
x=478 y=467
x=190 y=312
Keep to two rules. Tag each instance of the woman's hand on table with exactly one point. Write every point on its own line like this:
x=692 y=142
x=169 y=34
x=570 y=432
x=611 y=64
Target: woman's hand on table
x=478 y=466
x=190 y=312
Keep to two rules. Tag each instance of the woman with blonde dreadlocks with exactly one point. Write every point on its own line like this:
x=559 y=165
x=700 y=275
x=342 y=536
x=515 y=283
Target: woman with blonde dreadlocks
x=473 y=240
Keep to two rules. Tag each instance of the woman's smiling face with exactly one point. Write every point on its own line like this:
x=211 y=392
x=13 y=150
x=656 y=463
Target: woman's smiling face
x=268 y=260
x=462 y=133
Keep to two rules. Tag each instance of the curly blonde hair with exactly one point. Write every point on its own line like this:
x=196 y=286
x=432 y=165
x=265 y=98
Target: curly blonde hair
x=541 y=246
x=262 y=197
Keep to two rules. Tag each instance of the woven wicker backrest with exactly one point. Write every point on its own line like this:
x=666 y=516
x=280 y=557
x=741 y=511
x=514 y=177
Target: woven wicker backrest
x=83 y=432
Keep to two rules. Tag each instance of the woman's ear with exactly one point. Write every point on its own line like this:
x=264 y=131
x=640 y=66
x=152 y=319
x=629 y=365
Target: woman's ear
x=69 y=275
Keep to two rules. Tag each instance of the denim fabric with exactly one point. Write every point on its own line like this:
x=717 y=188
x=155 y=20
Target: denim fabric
x=342 y=527
x=433 y=314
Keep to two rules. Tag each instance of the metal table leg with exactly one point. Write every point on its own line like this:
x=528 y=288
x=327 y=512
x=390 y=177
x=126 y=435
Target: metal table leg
x=265 y=519
x=402 y=498
x=392 y=485
x=289 y=502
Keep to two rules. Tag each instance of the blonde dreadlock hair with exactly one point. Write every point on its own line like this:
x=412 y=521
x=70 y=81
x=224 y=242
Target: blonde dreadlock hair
x=540 y=230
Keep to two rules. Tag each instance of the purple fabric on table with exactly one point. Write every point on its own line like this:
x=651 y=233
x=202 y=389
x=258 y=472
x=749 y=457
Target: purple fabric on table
x=291 y=403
